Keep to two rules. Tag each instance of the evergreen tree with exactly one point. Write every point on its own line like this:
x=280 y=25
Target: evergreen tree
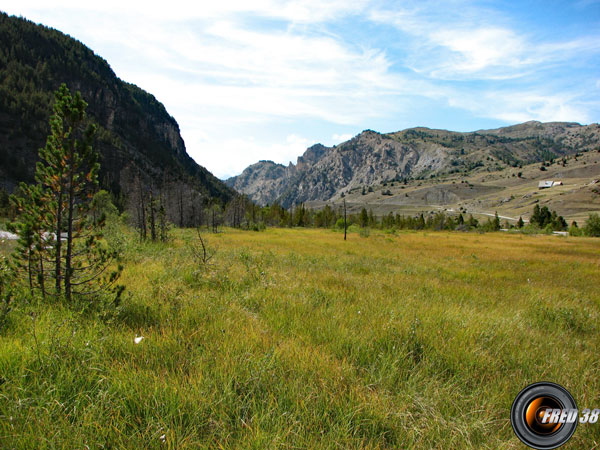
x=472 y=222
x=520 y=222
x=300 y=214
x=364 y=218
x=536 y=216
x=31 y=253
x=67 y=177
x=496 y=222
x=372 y=219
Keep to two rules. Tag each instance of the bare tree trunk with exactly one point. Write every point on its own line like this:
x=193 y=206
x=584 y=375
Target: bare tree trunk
x=151 y=211
x=142 y=212
x=180 y=206
x=192 y=207
x=68 y=256
x=42 y=275
x=345 y=223
x=30 y=271
x=58 y=244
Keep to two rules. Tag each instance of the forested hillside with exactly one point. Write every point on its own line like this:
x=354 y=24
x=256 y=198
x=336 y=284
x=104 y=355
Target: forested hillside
x=136 y=135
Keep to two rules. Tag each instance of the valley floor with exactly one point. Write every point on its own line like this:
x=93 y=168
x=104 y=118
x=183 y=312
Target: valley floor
x=293 y=338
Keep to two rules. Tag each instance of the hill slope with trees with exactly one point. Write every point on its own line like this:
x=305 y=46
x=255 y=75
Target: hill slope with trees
x=136 y=135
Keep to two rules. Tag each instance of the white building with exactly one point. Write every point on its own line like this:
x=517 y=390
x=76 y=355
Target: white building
x=548 y=184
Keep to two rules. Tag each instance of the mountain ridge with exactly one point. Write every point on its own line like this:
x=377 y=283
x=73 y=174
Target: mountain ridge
x=326 y=173
x=136 y=134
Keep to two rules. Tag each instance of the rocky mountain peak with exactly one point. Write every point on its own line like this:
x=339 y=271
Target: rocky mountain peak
x=372 y=158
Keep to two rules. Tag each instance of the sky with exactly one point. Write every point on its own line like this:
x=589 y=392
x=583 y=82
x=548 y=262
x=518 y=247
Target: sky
x=265 y=79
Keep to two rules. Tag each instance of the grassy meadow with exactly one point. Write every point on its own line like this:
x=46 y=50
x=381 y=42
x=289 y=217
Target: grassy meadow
x=295 y=339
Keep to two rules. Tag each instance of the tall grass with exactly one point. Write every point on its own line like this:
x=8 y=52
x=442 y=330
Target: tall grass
x=293 y=338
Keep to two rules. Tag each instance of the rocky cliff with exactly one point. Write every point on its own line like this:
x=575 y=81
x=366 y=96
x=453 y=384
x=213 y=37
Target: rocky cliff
x=371 y=158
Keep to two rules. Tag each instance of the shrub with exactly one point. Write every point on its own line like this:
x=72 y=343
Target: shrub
x=592 y=225
x=574 y=230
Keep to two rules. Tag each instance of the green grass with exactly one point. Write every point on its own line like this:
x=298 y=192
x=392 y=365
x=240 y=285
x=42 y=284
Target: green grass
x=297 y=339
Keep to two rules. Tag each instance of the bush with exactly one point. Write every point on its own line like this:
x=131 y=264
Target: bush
x=592 y=226
x=260 y=226
x=574 y=230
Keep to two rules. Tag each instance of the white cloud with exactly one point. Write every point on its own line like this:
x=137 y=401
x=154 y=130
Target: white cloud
x=339 y=138
x=231 y=70
x=296 y=11
x=474 y=51
x=521 y=106
x=471 y=43
x=241 y=152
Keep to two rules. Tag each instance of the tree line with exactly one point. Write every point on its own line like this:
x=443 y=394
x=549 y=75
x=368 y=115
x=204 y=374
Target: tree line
x=251 y=216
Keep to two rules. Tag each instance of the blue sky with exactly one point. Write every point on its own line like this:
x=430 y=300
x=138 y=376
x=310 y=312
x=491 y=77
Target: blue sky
x=264 y=79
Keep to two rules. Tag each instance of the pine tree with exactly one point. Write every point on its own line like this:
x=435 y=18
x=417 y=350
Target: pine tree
x=536 y=217
x=345 y=220
x=496 y=222
x=472 y=222
x=31 y=254
x=68 y=175
x=364 y=218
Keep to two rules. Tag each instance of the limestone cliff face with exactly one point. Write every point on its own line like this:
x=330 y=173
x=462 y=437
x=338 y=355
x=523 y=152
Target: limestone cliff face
x=135 y=132
x=265 y=180
x=325 y=173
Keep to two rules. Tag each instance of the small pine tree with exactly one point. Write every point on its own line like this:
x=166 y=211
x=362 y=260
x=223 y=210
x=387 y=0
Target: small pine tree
x=67 y=177
x=520 y=222
x=536 y=217
x=364 y=218
x=30 y=255
x=472 y=222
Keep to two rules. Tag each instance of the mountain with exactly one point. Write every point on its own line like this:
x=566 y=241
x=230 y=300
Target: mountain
x=265 y=179
x=136 y=135
x=371 y=158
